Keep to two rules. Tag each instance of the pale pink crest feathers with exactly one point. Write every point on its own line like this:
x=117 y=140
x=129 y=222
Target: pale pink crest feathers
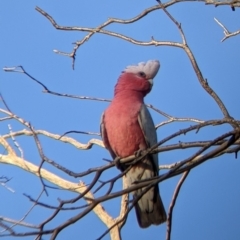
x=150 y=68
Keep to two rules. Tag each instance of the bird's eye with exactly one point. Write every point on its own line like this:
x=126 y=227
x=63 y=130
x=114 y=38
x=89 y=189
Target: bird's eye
x=142 y=74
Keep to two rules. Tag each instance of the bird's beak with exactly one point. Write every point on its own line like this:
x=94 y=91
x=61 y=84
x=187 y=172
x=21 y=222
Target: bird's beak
x=151 y=82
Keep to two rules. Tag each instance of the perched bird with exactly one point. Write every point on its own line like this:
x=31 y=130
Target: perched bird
x=127 y=127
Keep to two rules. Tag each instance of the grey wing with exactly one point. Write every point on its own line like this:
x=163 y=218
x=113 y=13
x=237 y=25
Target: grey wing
x=146 y=123
x=105 y=137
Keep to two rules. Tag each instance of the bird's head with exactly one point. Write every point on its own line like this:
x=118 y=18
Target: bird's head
x=138 y=77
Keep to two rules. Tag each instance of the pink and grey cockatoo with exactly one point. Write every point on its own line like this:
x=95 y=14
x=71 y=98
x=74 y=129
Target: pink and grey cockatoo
x=127 y=127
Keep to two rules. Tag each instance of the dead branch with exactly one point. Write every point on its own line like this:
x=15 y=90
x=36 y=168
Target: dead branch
x=226 y=32
x=173 y=202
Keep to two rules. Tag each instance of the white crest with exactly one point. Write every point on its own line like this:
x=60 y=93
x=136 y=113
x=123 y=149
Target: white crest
x=150 y=68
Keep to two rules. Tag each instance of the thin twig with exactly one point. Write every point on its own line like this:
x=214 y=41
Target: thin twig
x=226 y=32
x=174 y=21
x=15 y=141
x=174 y=198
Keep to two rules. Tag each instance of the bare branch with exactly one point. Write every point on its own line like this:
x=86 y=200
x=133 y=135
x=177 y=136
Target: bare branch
x=174 y=21
x=226 y=32
x=15 y=142
x=17 y=222
x=72 y=141
x=20 y=69
x=174 y=198
x=62 y=183
x=231 y=3
x=20 y=222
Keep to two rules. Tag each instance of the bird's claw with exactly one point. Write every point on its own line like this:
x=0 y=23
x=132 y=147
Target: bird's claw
x=138 y=153
x=117 y=162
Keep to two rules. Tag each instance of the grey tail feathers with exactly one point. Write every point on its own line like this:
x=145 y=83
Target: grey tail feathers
x=146 y=216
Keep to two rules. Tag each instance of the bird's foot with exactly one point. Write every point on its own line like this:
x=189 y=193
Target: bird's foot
x=138 y=153
x=117 y=162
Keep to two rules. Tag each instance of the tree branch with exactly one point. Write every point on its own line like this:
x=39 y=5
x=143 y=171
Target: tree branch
x=226 y=32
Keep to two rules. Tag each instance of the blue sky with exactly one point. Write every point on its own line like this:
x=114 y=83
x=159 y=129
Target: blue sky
x=208 y=205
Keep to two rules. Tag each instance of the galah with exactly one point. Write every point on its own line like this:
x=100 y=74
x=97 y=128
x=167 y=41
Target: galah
x=127 y=128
